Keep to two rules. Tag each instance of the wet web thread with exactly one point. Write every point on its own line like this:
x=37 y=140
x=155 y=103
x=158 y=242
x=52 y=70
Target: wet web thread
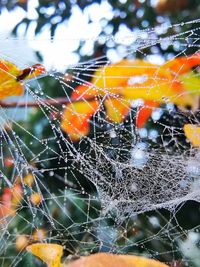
x=113 y=182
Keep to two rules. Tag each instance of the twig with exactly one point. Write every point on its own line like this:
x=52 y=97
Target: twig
x=54 y=102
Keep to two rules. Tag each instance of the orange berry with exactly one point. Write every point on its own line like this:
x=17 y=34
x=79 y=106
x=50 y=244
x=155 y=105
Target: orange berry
x=17 y=195
x=39 y=235
x=8 y=126
x=8 y=162
x=28 y=180
x=36 y=198
x=21 y=242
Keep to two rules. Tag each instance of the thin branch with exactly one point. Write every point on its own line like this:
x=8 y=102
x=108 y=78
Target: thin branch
x=52 y=102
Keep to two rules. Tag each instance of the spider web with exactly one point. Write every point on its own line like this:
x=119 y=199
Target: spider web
x=119 y=189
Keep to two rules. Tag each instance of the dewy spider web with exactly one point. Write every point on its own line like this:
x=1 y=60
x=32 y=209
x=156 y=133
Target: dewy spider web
x=118 y=189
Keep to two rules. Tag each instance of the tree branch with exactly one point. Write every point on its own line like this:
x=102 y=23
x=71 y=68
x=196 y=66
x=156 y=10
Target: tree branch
x=52 y=102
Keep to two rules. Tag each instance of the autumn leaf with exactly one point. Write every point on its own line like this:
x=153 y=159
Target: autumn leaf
x=191 y=81
x=144 y=112
x=162 y=92
x=170 y=6
x=76 y=116
x=111 y=77
x=84 y=92
x=22 y=241
x=116 y=109
x=181 y=69
x=111 y=260
x=184 y=64
x=11 y=78
x=192 y=132
x=51 y=255
x=121 y=83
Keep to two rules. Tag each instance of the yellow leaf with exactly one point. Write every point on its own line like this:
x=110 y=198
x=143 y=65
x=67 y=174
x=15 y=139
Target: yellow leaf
x=121 y=83
x=49 y=253
x=192 y=132
x=117 y=75
x=116 y=109
x=162 y=82
x=11 y=78
x=164 y=92
x=191 y=82
x=9 y=86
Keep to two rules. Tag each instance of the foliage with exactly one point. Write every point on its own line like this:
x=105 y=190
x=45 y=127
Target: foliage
x=51 y=255
x=120 y=94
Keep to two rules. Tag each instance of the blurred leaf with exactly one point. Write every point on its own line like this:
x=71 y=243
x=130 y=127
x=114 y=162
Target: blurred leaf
x=51 y=254
x=192 y=132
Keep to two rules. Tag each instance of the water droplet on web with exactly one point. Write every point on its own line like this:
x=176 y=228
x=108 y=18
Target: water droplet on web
x=129 y=175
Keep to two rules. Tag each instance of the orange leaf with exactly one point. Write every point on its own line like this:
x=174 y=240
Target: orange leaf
x=144 y=112
x=76 y=116
x=49 y=253
x=12 y=196
x=11 y=77
x=84 y=92
x=192 y=132
x=111 y=260
x=183 y=64
x=157 y=83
